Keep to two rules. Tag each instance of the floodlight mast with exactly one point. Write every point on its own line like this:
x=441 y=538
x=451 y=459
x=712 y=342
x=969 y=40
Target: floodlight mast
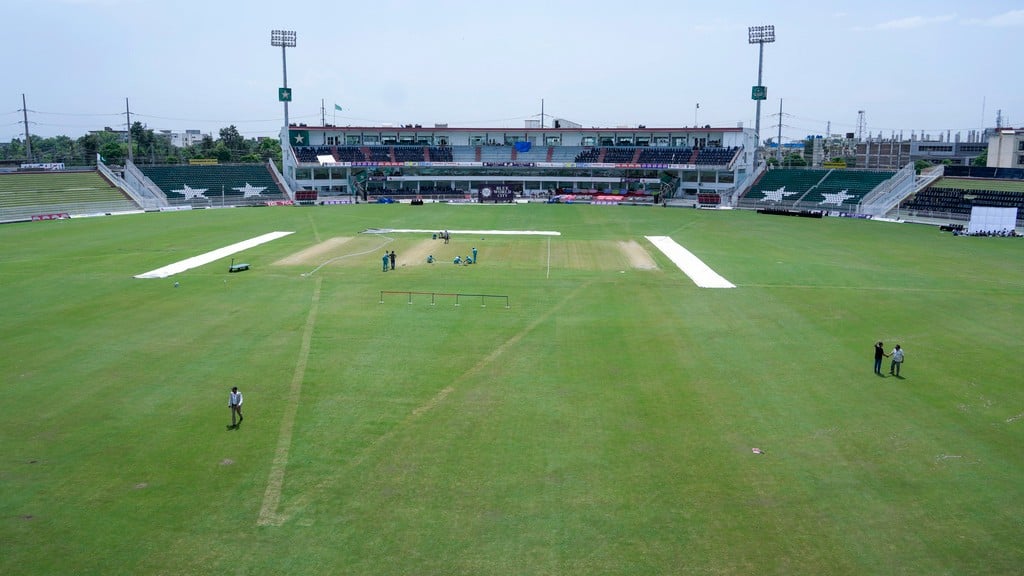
x=284 y=39
x=759 y=35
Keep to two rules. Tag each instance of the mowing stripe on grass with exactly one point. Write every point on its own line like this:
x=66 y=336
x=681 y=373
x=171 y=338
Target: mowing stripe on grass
x=701 y=274
x=196 y=261
x=277 y=519
x=275 y=480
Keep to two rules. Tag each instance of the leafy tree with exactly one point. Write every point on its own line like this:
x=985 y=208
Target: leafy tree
x=234 y=141
x=269 y=149
x=113 y=152
x=221 y=152
x=921 y=165
x=205 y=146
x=982 y=159
x=794 y=159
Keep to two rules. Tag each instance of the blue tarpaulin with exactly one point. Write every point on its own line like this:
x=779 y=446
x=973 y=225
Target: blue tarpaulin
x=523 y=146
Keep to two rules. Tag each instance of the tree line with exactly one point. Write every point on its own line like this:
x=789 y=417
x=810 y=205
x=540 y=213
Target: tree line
x=148 y=147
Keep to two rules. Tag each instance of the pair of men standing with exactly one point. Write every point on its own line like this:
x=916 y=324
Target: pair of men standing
x=896 y=355
x=388 y=259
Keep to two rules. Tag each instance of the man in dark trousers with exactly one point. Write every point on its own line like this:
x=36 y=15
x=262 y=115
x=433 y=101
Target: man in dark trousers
x=879 y=354
x=392 y=256
x=897 y=361
x=235 y=403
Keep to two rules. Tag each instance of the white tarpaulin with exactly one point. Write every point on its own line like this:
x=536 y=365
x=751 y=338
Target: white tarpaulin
x=988 y=219
x=195 y=261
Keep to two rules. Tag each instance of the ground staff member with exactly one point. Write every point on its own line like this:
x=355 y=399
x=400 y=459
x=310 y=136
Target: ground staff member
x=235 y=403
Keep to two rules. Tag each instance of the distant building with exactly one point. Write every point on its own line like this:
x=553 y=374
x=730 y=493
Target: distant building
x=184 y=139
x=1006 y=148
x=893 y=153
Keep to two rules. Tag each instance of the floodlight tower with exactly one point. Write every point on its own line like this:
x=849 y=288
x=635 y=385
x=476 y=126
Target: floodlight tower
x=284 y=39
x=759 y=35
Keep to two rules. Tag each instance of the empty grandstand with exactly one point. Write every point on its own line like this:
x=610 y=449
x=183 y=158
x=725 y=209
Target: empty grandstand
x=952 y=198
x=26 y=196
x=839 y=189
x=645 y=162
x=215 y=185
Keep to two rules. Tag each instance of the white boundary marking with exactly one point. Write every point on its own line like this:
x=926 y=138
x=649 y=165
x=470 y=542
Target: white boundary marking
x=196 y=261
x=701 y=274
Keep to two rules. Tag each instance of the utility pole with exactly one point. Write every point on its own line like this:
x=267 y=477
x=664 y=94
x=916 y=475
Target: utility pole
x=323 y=113
x=28 y=139
x=542 y=113
x=778 y=153
x=128 y=116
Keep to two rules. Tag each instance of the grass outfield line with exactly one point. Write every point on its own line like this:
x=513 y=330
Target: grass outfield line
x=602 y=425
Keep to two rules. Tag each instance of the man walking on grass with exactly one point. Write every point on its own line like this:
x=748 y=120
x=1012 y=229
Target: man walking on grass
x=235 y=403
x=897 y=360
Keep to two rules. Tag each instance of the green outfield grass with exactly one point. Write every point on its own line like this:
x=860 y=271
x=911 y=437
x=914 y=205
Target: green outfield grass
x=602 y=424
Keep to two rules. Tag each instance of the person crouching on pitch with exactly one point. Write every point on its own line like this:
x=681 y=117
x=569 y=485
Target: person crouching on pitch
x=235 y=403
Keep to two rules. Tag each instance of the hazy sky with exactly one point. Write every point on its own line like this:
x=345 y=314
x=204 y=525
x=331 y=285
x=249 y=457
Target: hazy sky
x=187 y=64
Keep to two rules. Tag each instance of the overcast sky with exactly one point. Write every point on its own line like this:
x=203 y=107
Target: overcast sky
x=932 y=65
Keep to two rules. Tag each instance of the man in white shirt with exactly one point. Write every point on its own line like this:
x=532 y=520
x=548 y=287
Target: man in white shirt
x=897 y=360
x=235 y=403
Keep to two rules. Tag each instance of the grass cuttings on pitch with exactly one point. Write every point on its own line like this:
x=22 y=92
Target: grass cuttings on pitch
x=602 y=424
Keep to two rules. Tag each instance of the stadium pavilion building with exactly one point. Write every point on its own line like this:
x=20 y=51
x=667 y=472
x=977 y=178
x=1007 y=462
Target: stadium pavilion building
x=332 y=163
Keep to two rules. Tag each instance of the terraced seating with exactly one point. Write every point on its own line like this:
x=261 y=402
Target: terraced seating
x=496 y=153
x=409 y=154
x=565 y=154
x=308 y=154
x=588 y=156
x=716 y=156
x=440 y=153
x=956 y=196
x=207 y=185
x=784 y=186
x=619 y=155
x=534 y=154
x=846 y=187
x=666 y=155
x=350 y=154
x=25 y=195
x=380 y=153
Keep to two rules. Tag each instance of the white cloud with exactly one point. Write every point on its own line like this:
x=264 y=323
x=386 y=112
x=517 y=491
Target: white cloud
x=909 y=23
x=1006 y=20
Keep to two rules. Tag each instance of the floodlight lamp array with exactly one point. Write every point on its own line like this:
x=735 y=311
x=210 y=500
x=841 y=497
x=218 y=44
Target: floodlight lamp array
x=761 y=34
x=282 y=38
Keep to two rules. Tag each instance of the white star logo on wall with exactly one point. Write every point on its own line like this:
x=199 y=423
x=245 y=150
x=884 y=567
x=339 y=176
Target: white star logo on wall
x=250 y=190
x=775 y=195
x=191 y=193
x=299 y=139
x=838 y=198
